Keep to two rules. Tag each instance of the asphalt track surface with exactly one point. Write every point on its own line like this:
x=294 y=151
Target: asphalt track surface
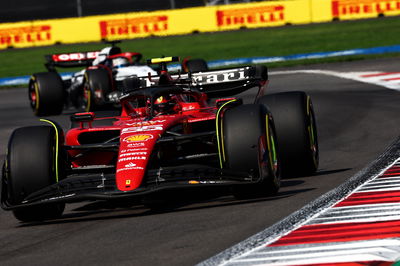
x=356 y=122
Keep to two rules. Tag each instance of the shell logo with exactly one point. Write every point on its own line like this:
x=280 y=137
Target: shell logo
x=135 y=138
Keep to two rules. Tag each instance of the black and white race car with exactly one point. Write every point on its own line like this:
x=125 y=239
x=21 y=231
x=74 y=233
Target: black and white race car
x=95 y=87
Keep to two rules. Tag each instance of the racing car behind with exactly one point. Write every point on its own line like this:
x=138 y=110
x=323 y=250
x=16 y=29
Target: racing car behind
x=95 y=87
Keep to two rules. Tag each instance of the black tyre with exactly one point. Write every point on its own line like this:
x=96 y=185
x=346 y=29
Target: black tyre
x=30 y=166
x=249 y=146
x=97 y=85
x=46 y=93
x=196 y=65
x=296 y=130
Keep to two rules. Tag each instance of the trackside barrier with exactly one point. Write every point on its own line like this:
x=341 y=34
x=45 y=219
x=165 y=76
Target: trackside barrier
x=249 y=60
x=189 y=20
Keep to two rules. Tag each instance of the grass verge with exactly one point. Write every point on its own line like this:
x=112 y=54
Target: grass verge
x=279 y=41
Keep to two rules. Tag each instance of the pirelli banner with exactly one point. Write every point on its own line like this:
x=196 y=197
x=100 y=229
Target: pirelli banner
x=186 y=21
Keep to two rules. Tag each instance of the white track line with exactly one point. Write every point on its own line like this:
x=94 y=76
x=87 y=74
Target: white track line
x=390 y=80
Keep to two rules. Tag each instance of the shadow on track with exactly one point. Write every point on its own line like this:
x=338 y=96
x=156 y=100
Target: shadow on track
x=107 y=211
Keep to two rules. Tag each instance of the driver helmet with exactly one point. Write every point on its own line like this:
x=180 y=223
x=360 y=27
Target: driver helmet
x=120 y=62
x=164 y=104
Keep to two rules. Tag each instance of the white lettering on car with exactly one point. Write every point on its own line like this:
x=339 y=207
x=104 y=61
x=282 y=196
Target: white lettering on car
x=130 y=168
x=141 y=129
x=132 y=158
x=146 y=123
x=220 y=77
x=138 y=144
x=133 y=154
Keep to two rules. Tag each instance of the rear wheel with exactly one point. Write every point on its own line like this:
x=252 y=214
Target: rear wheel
x=46 y=93
x=32 y=164
x=296 y=130
x=196 y=65
x=249 y=146
x=96 y=86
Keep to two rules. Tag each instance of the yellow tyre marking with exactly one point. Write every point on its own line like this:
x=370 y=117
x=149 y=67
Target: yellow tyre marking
x=88 y=103
x=220 y=143
x=55 y=164
x=271 y=145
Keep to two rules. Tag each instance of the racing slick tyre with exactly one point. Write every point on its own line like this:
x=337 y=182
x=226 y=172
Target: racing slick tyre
x=249 y=146
x=46 y=93
x=296 y=130
x=96 y=86
x=30 y=166
x=196 y=65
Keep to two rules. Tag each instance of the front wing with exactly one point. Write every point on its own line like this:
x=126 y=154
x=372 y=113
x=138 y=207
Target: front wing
x=97 y=186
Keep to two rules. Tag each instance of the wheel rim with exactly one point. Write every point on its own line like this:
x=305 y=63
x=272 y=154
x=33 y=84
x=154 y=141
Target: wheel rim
x=85 y=97
x=273 y=154
x=312 y=133
x=34 y=96
x=269 y=152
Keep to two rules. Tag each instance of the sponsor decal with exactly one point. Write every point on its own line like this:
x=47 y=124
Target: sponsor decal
x=133 y=150
x=25 y=35
x=138 y=149
x=130 y=165
x=141 y=137
x=132 y=158
x=133 y=26
x=190 y=107
x=133 y=153
x=363 y=7
x=220 y=77
x=141 y=129
x=74 y=56
x=195 y=182
x=132 y=145
x=201 y=119
x=146 y=123
x=130 y=168
x=260 y=15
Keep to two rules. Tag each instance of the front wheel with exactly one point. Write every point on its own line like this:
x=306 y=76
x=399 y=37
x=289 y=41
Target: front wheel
x=249 y=146
x=30 y=166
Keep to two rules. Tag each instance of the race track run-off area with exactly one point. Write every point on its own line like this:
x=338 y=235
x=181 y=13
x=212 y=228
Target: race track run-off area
x=361 y=228
x=348 y=212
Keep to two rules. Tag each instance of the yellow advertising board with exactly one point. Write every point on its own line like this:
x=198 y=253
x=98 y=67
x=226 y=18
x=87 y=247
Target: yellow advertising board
x=262 y=14
x=358 y=9
x=25 y=34
x=189 y=20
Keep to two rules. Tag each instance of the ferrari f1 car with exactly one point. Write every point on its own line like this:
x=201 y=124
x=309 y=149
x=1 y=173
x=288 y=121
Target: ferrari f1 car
x=93 y=88
x=169 y=136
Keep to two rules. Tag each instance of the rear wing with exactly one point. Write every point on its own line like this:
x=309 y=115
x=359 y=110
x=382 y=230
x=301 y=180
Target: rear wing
x=216 y=83
x=226 y=82
x=65 y=60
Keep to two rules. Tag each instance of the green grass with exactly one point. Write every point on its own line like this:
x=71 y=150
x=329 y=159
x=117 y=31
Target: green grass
x=226 y=45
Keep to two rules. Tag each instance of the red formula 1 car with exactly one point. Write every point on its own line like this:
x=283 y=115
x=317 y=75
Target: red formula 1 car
x=169 y=136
